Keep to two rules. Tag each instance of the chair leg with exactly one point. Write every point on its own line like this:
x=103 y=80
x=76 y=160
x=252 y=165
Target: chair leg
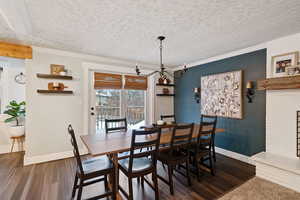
x=154 y=179
x=163 y=165
x=105 y=183
x=142 y=181
x=80 y=189
x=74 y=186
x=211 y=163
x=170 y=173
x=214 y=152
x=197 y=169
x=114 y=192
x=188 y=172
x=130 y=194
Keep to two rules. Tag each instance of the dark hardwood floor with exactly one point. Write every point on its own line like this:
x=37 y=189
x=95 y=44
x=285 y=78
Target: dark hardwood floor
x=53 y=180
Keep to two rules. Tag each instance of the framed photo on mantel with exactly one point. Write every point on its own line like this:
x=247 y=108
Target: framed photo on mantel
x=281 y=64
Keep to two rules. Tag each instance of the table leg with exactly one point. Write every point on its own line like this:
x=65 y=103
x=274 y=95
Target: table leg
x=114 y=158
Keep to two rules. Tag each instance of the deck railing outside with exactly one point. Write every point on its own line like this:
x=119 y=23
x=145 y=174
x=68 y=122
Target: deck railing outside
x=134 y=115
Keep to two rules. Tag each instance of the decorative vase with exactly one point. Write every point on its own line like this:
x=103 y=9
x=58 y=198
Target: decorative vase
x=161 y=80
x=166 y=91
x=16 y=131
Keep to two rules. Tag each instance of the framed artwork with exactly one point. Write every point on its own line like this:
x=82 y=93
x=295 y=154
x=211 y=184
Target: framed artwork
x=56 y=69
x=221 y=95
x=281 y=64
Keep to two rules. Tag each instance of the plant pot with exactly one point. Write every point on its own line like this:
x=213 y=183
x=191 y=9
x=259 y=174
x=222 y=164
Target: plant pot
x=16 y=131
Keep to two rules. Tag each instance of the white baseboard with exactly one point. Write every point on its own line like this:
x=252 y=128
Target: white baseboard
x=5 y=148
x=67 y=154
x=235 y=155
x=50 y=157
x=276 y=175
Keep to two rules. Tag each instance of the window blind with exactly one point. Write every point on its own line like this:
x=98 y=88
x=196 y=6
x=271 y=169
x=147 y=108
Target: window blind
x=107 y=81
x=136 y=82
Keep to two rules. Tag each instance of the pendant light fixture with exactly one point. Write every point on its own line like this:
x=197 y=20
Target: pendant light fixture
x=162 y=72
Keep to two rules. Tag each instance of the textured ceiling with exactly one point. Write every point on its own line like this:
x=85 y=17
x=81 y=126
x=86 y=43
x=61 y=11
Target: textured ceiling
x=127 y=29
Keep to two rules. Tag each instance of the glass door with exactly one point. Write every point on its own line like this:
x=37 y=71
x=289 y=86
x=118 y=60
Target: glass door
x=135 y=107
x=112 y=104
x=107 y=106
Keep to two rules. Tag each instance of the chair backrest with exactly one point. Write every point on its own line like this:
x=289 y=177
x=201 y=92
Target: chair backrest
x=181 y=137
x=143 y=139
x=75 y=148
x=115 y=125
x=162 y=117
x=208 y=118
x=206 y=134
x=207 y=130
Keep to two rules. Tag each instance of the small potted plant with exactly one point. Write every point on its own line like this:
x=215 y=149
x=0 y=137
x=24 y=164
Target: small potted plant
x=16 y=111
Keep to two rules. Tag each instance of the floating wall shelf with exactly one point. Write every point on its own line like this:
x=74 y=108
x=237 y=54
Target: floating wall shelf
x=55 y=92
x=165 y=95
x=165 y=85
x=280 y=83
x=52 y=76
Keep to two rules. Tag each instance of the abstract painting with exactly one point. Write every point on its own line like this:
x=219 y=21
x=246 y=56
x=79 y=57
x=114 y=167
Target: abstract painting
x=221 y=95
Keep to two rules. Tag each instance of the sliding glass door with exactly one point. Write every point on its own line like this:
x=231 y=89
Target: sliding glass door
x=117 y=103
x=134 y=106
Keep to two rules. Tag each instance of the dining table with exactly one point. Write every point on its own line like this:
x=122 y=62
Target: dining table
x=112 y=144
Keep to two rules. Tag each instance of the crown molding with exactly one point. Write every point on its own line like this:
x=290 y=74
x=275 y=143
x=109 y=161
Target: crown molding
x=92 y=58
x=226 y=55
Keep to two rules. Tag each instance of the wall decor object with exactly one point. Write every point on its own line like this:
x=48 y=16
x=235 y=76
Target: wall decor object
x=197 y=94
x=56 y=69
x=165 y=91
x=221 y=95
x=250 y=91
x=56 y=86
x=280 y=63
x=20 y=78
x=293 y=71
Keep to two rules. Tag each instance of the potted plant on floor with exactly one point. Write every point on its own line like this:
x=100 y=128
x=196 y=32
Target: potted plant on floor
x=16 y=111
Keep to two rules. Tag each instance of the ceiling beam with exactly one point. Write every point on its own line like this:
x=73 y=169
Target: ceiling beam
x=15 y=50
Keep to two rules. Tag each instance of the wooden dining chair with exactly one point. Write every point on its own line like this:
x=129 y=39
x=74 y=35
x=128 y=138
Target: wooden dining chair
x=202 y=149
x=163 y=117
x=141 y=163
x=177 y=153
x=112 y=125
x=91 y=171
x=208 y=118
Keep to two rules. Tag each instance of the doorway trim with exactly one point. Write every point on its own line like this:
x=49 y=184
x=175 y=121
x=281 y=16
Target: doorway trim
x=106 y=68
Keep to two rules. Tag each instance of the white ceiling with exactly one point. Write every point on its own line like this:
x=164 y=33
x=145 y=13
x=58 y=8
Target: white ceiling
x=127 y=29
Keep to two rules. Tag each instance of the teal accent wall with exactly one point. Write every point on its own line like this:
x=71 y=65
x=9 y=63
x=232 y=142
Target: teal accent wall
x=246 y=136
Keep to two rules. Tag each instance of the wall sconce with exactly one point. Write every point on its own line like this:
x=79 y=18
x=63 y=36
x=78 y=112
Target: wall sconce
x=250 y=91
x=197 y=94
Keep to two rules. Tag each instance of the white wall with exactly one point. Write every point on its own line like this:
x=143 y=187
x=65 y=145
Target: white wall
x=48 y=115
x=163 y=105
x=9 y=90
x=282 y=104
